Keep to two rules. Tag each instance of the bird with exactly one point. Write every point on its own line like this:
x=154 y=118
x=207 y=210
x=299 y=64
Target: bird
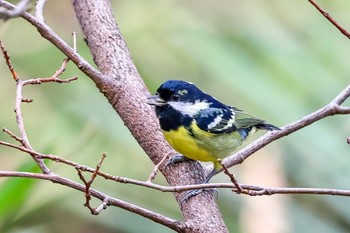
x=199 y=126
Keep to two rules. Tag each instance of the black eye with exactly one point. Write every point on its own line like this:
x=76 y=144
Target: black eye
x=175 y=97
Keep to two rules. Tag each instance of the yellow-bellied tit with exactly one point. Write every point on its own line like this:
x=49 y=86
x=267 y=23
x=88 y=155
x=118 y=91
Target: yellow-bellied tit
x=199 y=126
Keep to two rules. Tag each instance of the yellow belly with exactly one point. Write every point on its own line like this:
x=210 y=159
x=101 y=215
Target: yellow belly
x=203 y=146
x=186 y=145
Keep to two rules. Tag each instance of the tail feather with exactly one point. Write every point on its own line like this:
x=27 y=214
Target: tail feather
x=266 y=126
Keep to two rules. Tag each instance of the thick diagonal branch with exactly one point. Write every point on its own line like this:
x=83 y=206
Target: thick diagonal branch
x=125 y=90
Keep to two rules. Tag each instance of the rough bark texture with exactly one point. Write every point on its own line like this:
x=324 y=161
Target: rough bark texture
x=126 y=92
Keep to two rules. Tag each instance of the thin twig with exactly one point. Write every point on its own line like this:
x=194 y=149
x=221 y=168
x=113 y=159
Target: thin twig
x=158 y=218
x=8 y=62
x=14 y=12
x=47 y=33
x=39 y=10
x=330 y=19
x=20 y=124
x=104 y=204
x=252 y=190
x=23 y=138
x=51 y=79
x=233 y=179
x=94 y=211
x=331 y=109
x=156 y=168
x=12 y=135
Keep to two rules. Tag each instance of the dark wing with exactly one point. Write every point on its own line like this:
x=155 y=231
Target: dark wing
x=227 y=120
x=216 y=120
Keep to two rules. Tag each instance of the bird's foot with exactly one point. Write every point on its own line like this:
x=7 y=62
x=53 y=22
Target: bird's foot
x=176 y=159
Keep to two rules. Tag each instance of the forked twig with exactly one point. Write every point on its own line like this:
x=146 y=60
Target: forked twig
x=23 y=138
x=15 y=12
x=104 y=204
x=233 y=179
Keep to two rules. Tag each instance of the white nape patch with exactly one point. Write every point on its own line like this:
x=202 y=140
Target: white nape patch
x=187 y=108
x=216 y=121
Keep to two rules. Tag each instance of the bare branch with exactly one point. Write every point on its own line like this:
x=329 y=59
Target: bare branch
x=330 y=19
x=247 y=189
x=8 y=62
x=12 y=135
x=47 y=33
x=161 y=219
x=49 y=79
x=106 y=200
x=331 y=109
x=14 y=12
x=156 y=168
x=39 y=10
x=258 y=191
x=233 y=179
x=23 y=139
x=94 y=211
x=20 y=124
x=340 y=98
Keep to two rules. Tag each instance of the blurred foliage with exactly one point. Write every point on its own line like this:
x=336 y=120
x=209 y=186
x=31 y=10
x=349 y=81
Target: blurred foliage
x=278 y=60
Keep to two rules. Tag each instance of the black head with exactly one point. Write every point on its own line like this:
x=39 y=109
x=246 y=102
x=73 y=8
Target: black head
x=178 y=102
x=180 y=91
x=175 y=103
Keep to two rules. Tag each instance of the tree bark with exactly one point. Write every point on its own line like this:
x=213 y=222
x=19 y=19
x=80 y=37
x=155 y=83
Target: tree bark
x=126 y=92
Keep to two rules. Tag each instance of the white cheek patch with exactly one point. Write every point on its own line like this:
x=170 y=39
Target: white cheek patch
x=187 y=108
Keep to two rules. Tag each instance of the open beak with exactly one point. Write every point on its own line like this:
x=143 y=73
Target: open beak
x=155 y=100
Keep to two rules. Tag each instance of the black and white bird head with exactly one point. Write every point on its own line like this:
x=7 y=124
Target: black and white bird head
x=183 y=97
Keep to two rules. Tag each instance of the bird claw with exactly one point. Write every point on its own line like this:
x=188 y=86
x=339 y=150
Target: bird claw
x=176 y=159
x=195 y=192
x=189 y=194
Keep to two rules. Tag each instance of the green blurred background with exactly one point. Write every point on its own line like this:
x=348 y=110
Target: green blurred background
x=276 y=59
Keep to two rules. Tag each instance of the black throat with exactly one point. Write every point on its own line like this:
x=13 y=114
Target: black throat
x=170 y=119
